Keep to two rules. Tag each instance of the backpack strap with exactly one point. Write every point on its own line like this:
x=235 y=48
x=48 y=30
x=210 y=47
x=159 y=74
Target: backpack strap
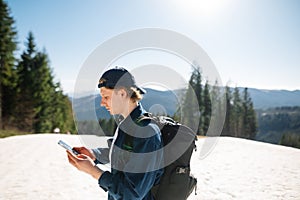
x=128 y=142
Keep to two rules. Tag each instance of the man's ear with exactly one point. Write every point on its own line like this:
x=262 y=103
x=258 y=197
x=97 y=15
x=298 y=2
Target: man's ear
x=123 y=92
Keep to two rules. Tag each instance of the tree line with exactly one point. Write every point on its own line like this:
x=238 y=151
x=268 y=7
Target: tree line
x=196 y=110
x=240 y=116
x=280 y=125
x=30 y=99
x=102 y=127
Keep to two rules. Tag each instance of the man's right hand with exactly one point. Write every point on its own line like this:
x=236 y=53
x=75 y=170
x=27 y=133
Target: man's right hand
x=85 y=151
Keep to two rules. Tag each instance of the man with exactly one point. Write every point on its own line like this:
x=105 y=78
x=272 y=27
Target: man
x=135 y=153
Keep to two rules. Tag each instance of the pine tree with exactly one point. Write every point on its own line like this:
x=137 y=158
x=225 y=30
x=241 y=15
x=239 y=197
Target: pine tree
x=192 y=102
x=237 y=114
x=43 y=92
x=25 y=110
x=206 y=108
x=249 y=117
x=197 y=86
x=218 y=110
x=111 y=124
x=61 y=111
x=211 y=104
x=227 y=129
x=8 y=45
x=43 y=106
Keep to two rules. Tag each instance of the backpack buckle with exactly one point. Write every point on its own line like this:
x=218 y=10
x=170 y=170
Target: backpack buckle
x=182 y=170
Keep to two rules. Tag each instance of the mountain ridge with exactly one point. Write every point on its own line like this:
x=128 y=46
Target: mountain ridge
x=167 y=101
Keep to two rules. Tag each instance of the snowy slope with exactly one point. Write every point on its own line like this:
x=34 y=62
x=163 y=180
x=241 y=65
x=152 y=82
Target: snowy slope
x=35 y=167
x=244 y=169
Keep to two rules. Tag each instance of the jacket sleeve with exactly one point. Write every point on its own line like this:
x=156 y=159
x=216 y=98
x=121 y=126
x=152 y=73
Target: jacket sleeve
x=132 y=185
x=102 y=154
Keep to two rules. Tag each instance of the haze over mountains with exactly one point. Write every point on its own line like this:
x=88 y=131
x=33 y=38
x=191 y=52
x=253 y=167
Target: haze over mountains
x=264 y=99
x=88 y=108
x=165 y=102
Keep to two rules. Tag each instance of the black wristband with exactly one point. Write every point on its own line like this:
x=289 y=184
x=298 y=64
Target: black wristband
x=97 y=162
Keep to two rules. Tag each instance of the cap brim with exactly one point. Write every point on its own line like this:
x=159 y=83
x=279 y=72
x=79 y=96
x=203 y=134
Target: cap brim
x=142 y=91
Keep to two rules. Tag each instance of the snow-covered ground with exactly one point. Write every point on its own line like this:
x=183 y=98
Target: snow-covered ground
x=35 y=167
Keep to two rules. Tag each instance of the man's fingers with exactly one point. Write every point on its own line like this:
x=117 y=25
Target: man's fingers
x=72 y=157
x=71 y=161
x=78 y=148
x=76 y=158
x=82 y=156
x=71 y=154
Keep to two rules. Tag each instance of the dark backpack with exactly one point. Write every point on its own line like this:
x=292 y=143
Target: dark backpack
x=178 y=140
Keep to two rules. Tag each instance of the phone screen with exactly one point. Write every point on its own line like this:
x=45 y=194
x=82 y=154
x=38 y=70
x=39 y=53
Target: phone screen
x=66 y=146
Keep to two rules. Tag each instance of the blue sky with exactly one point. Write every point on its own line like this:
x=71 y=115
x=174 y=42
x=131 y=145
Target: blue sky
x=253 y=43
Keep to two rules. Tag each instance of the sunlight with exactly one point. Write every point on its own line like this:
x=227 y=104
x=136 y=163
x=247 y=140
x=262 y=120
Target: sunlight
x=204 y=8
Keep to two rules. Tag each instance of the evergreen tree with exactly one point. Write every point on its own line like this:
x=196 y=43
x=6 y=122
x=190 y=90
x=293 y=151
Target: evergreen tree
x=192 y=103
x=227 y=129
x=61 y=111
x=108 y=126
x=111 y=124
x=197 y=86
x=43 y=106
x=25 y=110
x=209 y=104
x=8 y=45
x=43 y=91
x=218 y=110
x=237 y=114
x=249 y=117
x=206 y=107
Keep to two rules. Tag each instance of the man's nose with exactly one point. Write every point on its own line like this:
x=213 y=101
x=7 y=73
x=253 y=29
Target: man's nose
x=102 y=103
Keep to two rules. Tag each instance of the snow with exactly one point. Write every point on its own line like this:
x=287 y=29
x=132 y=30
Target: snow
x=35 y=167
x=244 y=169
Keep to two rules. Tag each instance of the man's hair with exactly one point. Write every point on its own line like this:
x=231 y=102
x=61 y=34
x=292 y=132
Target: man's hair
x=134 y=94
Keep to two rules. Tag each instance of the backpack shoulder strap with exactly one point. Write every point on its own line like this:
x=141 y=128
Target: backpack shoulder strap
x=128 y=143
x=143 y=120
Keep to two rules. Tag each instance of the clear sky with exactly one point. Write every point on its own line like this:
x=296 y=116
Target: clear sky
x=253 y=43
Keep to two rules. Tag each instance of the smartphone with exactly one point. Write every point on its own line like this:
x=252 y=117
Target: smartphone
x=66 y=146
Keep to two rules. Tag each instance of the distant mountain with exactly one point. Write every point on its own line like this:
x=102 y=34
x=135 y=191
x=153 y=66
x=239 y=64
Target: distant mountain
x=155 y=101
x=279 y=125
x=167 y=101
x=263 y=99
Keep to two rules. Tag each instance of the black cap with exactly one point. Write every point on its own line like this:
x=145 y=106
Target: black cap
x=118 y=77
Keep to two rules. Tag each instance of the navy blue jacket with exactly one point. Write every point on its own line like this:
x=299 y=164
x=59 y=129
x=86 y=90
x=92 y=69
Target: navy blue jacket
x=136 y=160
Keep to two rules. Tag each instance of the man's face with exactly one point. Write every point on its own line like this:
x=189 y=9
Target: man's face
x=112 y=100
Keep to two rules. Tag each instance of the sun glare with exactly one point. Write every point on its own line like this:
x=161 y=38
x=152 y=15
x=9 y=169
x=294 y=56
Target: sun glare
x=204 y=8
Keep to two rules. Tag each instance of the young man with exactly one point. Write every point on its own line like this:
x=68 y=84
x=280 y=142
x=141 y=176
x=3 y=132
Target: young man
x=135 y=153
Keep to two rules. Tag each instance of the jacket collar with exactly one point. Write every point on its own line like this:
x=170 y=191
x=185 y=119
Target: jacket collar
x=130 y=122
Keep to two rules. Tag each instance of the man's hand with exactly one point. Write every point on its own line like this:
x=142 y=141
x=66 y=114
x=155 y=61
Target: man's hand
x=85 y=151
x=84 y=163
